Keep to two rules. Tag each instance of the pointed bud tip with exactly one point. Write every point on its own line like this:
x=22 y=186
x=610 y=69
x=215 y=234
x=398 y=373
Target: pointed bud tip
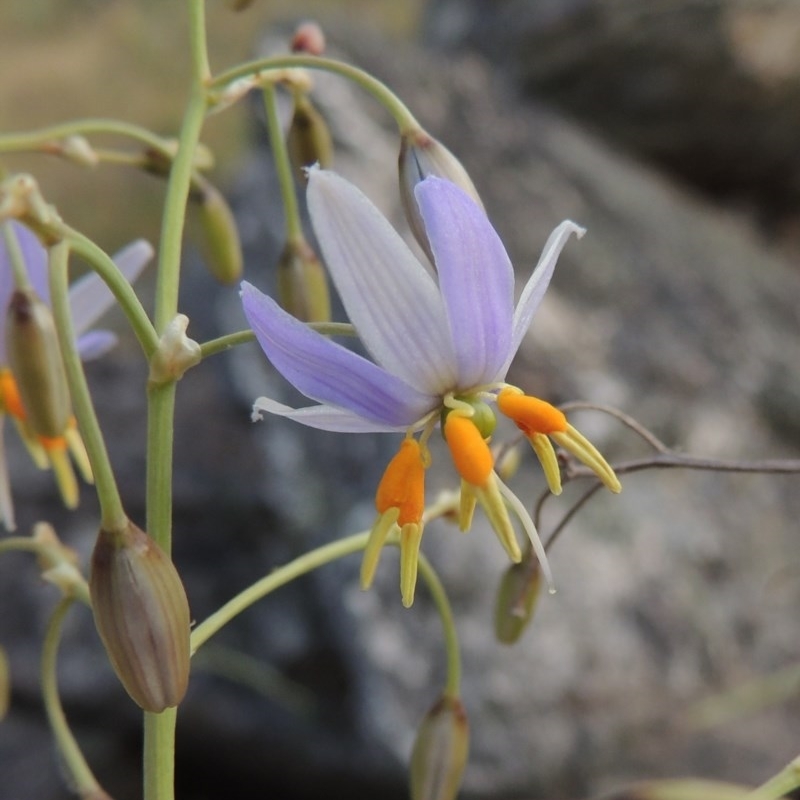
x=142 y=615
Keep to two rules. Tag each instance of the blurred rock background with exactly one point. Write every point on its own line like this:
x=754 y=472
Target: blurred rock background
x=667 y=131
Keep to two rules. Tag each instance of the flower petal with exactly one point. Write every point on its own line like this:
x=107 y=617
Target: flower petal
x=389 y=296
x=476 y=278
x=94 y=344
x=90 y=297
x=323 y=417
x=327 y=372
x=34 y=256
x=537 y=284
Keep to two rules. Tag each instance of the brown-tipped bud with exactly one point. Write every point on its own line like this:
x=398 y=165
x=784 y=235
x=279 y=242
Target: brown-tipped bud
x=309 y=138
x=35 y=360
x=142 y=615
x=220 y=235
x=440 y=751
x=5 y=684
x=302 y=285
x=420 y=157
x=308 y=38
x=516 y=599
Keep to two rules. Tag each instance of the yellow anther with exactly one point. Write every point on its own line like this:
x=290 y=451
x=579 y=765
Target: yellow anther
x=410 y=538
x=546 y=454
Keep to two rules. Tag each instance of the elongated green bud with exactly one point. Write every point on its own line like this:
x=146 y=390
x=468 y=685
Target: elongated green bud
x=142 y=615
x=35 y=360
x=516 y=599
x=309 y=139
x=440 y=751
x=420 y=157
x=5 y=684
x=302 y=285
x=221 y=243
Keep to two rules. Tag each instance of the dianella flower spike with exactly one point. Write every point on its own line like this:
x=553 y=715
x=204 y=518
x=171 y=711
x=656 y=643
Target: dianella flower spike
x=439 y=348
x=32 y=385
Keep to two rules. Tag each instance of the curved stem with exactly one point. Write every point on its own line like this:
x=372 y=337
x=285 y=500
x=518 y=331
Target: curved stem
x=405 y=120
x=780 y=785
x=229 y=340
x=277 y=578
x=452 y=685
x=81 y=774
x=112 y=513
x=105 y=267
x=317 y=558
x=32 y=140
x=283 y=166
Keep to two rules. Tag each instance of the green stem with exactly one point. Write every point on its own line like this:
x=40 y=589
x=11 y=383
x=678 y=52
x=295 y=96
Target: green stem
x=283 y=165
x=317 y=558
x=32 y=140
x=80 y=773
x=277 y=578
x=780 y=785
x=112 y=513
x=452 y=685
x=105 y=267
x=229 y=340
x=159 y=729
x=405 y=120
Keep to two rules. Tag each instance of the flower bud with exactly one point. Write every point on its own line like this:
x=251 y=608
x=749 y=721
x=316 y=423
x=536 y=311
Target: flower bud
x=308 y=38
x=35 y=360
x=516 y=599
x=5 y=684
x=221 y=243
x=302 y=285
x=420 y=157
x=309 y=138
x=142 y=615
x=440 y=751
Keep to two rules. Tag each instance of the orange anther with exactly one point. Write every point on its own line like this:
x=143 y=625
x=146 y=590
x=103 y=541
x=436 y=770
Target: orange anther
x=530 y=414
x=9 y=395
x=471 y=454
x=403 y=484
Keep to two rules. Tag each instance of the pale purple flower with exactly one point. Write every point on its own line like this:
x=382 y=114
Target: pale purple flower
x=429 y=336
x=89 y=296
x=89 y=299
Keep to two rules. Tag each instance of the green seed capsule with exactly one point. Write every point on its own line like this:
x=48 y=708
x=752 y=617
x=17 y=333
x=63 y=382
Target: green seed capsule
x=516 y=599
x=440 y=751
x=309 y=139
x=35 y=360
x=302 y=285
x=483 y=418
x=142 y=615
x=221 y=242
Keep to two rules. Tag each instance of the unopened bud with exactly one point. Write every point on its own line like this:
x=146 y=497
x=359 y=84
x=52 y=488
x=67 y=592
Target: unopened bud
x=35 y=360
x=440 y=751
x=302 y=285
x=420 y=157
x=516 y=599
x=221 y=242
x=309 y=138
x=308 y=38
x=5 y=684
x=142 y=615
